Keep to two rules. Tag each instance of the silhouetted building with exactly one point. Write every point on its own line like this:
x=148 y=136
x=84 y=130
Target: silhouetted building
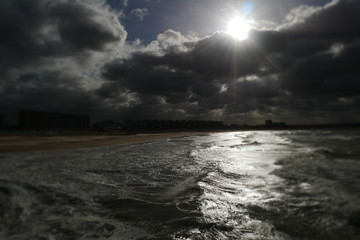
x=271 y=124
x=107 y=126
x=1 y=119
x=31 y=119
x=268 y=122
x=171 y=125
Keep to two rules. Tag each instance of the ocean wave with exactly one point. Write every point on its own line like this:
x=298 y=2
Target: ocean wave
x=242 y=185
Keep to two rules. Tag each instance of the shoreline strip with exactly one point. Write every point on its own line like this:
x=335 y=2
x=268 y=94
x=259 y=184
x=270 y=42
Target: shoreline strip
x=27 y=143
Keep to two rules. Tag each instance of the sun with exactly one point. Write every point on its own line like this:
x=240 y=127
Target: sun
x=238 y=28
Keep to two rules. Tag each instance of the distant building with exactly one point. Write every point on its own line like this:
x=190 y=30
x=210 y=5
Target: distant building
x=107 y=126
x=172 y=125
x=39 y=120
x=1 y=119
x=268 y=122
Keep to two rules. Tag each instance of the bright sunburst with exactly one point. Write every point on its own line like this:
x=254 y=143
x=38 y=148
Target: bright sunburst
x=238 y=28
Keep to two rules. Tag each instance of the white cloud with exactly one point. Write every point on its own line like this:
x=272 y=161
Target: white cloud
x=140 y=13
x=299 y=14
x=170 y=38
x=124 y=3
x=336 y=49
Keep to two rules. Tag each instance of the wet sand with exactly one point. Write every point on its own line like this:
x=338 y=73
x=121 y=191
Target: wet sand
x=21 y=143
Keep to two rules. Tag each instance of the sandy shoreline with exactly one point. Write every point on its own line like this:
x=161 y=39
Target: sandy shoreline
x=22 y=143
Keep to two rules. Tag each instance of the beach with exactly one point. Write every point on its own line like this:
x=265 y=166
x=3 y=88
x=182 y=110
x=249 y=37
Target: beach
x=32 y=142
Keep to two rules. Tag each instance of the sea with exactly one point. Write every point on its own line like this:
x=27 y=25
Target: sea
x=229 y=185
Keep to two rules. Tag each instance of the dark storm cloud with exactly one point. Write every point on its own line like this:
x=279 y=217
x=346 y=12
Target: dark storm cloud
x=48 y=91
x=32 y=30
x=307 y=69
x=308 y=65
x=326 y=73
x=48 y=53
x=196 y=81
x=212 y=60
x=336 y=20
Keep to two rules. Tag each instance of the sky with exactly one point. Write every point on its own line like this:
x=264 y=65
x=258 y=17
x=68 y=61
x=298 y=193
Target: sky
x=178 y=60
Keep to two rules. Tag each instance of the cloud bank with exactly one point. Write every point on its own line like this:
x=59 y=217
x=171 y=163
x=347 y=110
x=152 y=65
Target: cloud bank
x=306 y=70
x=55 y=56
x=50 y=52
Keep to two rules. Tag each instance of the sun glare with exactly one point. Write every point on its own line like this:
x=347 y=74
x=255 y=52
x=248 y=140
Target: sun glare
x=238 y=28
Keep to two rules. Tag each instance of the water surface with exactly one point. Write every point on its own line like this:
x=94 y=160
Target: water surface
x=236 y=185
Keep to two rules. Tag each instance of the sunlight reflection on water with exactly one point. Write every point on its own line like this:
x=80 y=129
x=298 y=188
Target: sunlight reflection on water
x=243 y=185
x=241 y=178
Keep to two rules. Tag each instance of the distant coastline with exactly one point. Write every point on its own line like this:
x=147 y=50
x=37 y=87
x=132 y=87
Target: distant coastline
x=36 y=142
x=48 y=140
